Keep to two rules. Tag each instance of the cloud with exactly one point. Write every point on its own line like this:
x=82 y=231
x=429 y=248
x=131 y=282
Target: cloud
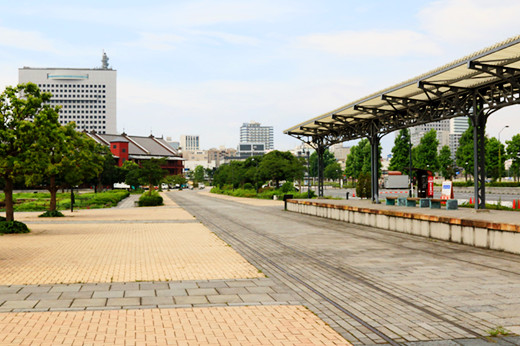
x=471 y=20
x=227 y=37
x=27 y=40
x=373 y=43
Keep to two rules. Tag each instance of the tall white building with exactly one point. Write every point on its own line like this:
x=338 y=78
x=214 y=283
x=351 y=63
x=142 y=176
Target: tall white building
x=255 y=133
x=190 y=143
x=87 y=96
x=449 y=132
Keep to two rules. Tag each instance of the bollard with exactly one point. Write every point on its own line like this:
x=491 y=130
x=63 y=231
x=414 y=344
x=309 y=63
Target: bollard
x=348 y=193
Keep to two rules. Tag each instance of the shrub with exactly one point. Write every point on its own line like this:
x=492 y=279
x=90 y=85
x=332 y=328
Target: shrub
x=150 y=200
x=53 y=213
x=248 y=186
x=364 y=188
x=2 y=218
x=288 y=187
x=13 y=227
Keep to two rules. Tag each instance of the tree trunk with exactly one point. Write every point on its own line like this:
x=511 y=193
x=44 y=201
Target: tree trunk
x=52 y=189
x=9 y=207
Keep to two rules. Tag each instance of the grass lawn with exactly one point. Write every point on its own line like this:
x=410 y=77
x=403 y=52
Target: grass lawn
x=40 y=201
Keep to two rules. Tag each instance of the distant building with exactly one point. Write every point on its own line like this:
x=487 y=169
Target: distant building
x=340 y=153
x=246 y=150
x=253 y=132
x=190 y=142
x=449 y=132
x=138 y=149
x=175 y=145
x=87 y=96
x=218 y=156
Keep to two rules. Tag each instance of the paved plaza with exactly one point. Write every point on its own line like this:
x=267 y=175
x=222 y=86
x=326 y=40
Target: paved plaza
x=141 y=276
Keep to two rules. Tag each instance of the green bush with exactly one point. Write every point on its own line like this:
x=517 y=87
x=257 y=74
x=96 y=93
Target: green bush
x=13 y=227
x=364 y=187
x=2 y=218
x=53 y=213
x=288 y=187
x=248 y=186
x=150 y=200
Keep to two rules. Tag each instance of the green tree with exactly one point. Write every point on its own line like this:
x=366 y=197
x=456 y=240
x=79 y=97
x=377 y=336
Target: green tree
x=494 y=167
x=21 y=121
x=198 y=174
x=464 y=154
x=400 y=160
x=426 y=152
x=359 y=159
x=513 y=152
x=328 y=158
x=151 y=172
x=277 y=166
x=351 y=171
x=447 y=166
x=333 y=171
x=132 y=176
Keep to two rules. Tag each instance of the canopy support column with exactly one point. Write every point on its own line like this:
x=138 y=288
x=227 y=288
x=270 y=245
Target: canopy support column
x=479 y=119
x=320 y=151
x=374 y=165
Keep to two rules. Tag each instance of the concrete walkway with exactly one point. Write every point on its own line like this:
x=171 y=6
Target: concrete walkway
x=141 y=276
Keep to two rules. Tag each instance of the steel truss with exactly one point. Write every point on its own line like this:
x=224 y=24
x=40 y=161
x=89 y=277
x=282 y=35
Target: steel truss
x=443 y=101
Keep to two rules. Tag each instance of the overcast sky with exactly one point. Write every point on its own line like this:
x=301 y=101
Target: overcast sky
x=205 y=67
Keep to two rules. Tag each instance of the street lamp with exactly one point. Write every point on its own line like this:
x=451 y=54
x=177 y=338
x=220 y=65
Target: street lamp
x=499 y=151
x=308 y=172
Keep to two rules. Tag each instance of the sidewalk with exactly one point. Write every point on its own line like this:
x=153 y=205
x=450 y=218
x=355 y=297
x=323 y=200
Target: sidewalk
x=141 y=275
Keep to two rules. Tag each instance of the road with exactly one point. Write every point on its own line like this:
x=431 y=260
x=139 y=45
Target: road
x=372 y=286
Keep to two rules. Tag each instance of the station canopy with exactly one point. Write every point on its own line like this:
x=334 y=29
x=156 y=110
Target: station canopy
x=476 y=72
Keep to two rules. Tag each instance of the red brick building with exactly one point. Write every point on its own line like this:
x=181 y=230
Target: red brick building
x=139 y=148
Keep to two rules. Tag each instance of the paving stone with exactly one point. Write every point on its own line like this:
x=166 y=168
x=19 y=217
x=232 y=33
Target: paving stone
x=213 y=284
x=75 y=295
x=171 y=292
x=183 y=285
x=80 y=302
x=64 y=303
x=123 y=301
x=241 y=283
x=108 y=294
x=256 y=297
x=224 y=299
x=140 y=293
x=282 y=296
x=65 y=288
x=232 y=290
x=154 y=286
x=201 y=291
x=124 y=286
x=263 y=289
x=35 y=289
x=44 y=296
x=157 y=300
x=13 y=296
x=95 y=287
x=191 y=300
x=19 y=304
x=9 y=289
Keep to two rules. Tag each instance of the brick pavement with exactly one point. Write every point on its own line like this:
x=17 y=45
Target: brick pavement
x=93 y=278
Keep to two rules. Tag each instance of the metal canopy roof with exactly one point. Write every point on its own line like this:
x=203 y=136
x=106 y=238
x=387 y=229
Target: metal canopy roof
x=489 y=69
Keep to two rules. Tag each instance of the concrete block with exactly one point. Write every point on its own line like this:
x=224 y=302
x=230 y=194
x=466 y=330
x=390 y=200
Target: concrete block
x=408 y=226
x=416 y=227
x=456 y=233
x=452 y=204
x=435 y=204
x=390 y=201
x=440 y=230
x=468 y=235
x=382 y=221
x=424 y=203
x=401 y=201
x=425 y=228
x=411 y=203
x=511 y=242
x=496 y=240
x=481 y=237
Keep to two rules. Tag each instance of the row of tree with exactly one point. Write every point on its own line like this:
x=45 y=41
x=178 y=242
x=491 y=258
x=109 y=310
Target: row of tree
x=275 y=166
x=427 y=156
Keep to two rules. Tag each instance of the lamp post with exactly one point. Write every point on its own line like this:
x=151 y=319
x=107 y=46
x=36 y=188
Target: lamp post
x=308 y=173
x=499 y=151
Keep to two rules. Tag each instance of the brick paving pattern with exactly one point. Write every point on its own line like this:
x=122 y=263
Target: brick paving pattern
x=141 y=276
x=255 y=325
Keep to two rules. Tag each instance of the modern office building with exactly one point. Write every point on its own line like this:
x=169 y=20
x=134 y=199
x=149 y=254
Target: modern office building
x=246 y=150
x=190 y=143
x=86 y=96
x=255 y=133
x=449 y=132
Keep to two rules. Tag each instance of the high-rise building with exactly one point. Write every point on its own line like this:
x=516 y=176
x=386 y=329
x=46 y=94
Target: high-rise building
x=254 y=133
x=86 y=96
x=457 y=127
x=190 y=143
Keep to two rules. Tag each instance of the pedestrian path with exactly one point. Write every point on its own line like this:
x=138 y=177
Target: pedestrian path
x=141 y=276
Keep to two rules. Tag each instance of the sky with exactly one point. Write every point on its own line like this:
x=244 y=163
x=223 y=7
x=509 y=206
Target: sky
x=205 y=67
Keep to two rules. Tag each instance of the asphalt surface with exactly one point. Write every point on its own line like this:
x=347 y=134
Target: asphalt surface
x=370 y=285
